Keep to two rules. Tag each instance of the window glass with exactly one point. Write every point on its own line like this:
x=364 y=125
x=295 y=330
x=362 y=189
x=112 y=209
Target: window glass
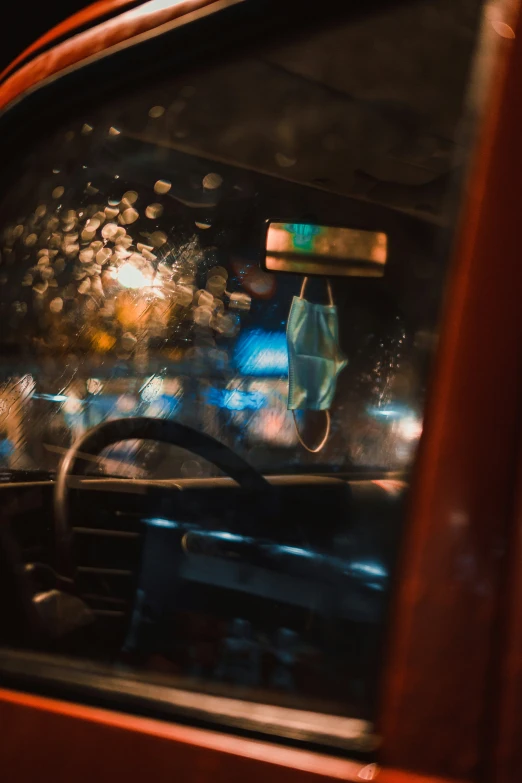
x=132 y=284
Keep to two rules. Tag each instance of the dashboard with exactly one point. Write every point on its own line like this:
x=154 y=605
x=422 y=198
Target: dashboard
x=192 y=580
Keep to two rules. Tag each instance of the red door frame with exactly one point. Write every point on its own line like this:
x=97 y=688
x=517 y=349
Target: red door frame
x=72 y=742
x=439 y=704
x=445 y=643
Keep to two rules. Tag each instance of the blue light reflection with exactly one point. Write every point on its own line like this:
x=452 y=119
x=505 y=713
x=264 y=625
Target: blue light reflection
x=53 y=397
x=370 y=569
x=296 y=551
x=262 y=353
x=236 y=400
x=226 y=536
x=389 y=411
x=164 y=523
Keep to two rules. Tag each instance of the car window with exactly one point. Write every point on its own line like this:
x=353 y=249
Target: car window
x=133 y=284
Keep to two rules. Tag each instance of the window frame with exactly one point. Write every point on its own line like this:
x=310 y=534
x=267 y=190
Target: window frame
x=441 y=695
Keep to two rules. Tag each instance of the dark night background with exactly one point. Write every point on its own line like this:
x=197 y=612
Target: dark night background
x=35 y=19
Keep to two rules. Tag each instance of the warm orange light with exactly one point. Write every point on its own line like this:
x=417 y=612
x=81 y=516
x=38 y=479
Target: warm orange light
x=102 y=341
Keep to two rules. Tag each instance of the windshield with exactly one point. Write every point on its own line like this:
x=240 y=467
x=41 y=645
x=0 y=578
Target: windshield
x=131 y=275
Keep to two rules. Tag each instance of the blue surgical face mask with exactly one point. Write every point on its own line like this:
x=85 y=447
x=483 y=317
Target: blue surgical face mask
x=314 y=356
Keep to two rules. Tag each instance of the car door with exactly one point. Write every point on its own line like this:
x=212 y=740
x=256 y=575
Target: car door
x=446 y=677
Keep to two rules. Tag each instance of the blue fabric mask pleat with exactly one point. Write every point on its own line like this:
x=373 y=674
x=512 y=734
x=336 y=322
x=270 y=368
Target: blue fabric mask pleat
x=314 y=355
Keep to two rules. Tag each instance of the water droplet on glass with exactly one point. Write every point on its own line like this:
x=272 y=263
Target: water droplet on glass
x=216 y=285
x=103 y=255
x=158 y=238
x=130 y=197
x=204 y=298
x=71 y=249
x=109 y=230
x=58 y=192
x=84 y=286
x=56 y=305
x=93 y=224
x=114 y=131
x=128 y=341
x=212 y=181
x=191 y=468
x=226 y=324
x=154 y=211
x=41 y=287
x=202 y=316
x=122 y=239
x=240 y=301
x=86 y=129
x=55 y=241
x=162 y=186
x=285 y=161
x=218 y=271
x=129 y=216
x=111 y=212
x=156 y=111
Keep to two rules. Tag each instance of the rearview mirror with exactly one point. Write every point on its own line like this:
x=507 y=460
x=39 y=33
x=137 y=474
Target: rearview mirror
x=308 y=249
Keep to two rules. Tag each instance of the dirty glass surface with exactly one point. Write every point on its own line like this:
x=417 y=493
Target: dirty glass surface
x=132 y=284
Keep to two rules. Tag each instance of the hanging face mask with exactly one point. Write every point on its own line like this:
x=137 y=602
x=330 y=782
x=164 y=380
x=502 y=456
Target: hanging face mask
x=315 y=358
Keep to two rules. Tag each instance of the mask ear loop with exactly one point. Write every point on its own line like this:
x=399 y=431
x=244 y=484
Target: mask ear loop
x=326 y=435
x=328 y=288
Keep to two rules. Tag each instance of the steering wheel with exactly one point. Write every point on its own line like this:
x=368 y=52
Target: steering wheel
x=142 y=428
